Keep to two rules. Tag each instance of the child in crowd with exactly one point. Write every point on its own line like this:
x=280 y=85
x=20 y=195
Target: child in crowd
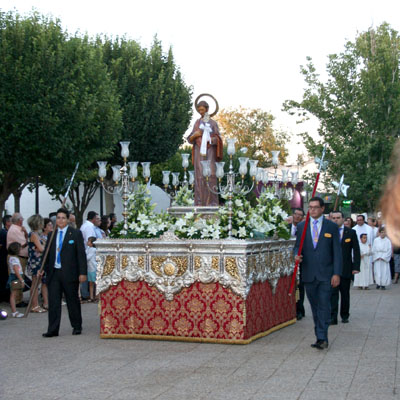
x=15 y=274
x=92 y=265
x=364 y=278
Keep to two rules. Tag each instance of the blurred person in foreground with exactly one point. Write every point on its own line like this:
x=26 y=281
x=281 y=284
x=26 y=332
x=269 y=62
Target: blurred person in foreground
x=390 y=201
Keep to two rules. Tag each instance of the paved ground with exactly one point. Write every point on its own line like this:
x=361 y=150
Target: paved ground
x=361 y=363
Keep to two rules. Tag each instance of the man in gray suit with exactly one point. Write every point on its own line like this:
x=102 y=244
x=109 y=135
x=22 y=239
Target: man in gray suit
x=321 y=259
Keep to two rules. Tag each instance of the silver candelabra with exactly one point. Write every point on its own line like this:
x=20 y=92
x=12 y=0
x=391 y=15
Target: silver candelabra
x=123 y=179
x=172 y=188
x=274 y=180
x=231 y=187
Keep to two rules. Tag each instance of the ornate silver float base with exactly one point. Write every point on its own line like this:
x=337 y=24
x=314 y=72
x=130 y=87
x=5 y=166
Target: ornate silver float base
x=205 y=212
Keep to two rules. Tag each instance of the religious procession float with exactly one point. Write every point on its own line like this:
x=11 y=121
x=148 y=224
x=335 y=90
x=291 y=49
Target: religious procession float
x=200 y=271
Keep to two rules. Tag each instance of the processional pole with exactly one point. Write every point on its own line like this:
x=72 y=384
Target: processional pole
x=35 y=286
x=341 y=187
x=322 y=166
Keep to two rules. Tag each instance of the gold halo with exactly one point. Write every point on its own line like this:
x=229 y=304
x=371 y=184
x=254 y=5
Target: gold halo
x=209 y=95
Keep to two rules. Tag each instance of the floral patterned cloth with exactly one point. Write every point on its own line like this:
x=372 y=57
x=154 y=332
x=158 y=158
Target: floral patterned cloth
x=34 y=257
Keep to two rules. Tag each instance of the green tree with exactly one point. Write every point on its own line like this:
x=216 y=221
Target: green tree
x=58 y=104
x=155 y=102
x=253 y=129
x=358 y=109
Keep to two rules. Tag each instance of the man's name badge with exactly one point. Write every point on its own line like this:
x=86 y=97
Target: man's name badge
x=328 y=235
x=347 y=240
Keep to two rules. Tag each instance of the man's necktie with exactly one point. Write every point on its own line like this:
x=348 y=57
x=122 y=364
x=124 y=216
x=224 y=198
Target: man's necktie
x=341 y=233
x=315 y=233
x=60 y=243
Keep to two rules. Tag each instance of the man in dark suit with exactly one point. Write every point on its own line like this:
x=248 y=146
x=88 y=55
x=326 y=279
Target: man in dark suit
x=351 y=266
x=298 y=215
x=321 y=259
x=65 y=267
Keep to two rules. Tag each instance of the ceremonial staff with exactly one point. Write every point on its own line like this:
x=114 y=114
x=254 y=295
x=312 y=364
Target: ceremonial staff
x=35 y=286
x=341 y=187
x=322 y=165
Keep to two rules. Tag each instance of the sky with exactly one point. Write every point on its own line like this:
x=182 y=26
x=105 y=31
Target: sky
x=245 y=53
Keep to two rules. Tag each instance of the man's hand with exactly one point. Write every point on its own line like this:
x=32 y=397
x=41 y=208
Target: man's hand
x=24 y=231
x=298 y=258
x=40 y=273
x=355 y=272
x=335 y=281
x=82 y=278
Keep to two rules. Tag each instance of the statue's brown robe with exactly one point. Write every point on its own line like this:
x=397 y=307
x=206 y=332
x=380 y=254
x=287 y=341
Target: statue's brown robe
x=202 y=195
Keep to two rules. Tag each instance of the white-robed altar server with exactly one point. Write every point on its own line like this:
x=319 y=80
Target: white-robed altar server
x=364 y=278
x=381 y=254
x=362 y=227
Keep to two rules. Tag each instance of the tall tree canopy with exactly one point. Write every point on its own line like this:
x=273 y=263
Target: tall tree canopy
x=358 y=108
x=253 y=129
x=58 y=104
x=155 y=101
x=70 y=98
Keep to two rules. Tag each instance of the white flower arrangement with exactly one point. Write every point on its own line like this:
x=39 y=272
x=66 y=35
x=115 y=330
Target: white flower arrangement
x=184 y=197
x=267 y=219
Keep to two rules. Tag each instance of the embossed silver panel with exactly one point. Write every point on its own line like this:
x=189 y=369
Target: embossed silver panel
x=170 y=263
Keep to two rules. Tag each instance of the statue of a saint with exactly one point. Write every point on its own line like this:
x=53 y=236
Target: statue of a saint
x=207 y=145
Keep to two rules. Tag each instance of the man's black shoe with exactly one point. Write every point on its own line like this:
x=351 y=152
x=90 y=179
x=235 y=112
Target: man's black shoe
x=333 y=321
x=299 y=316
x=345 y=320
x=377 y=286
x=76 y=331
x=48 y=334
x=320 y=344
x=383 y=288
x=22 y=304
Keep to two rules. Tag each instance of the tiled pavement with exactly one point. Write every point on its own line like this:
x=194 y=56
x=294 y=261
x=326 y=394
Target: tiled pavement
x=361 y=363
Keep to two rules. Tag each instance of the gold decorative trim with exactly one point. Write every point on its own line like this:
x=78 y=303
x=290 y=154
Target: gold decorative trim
x=124 y=262
x=197 y=262
x=215 y=263
x=141 y=262
x=156 y=263
x=197 y=339
x=181 y=263
x=109 y=266
x=169 y=269
x=231 y=267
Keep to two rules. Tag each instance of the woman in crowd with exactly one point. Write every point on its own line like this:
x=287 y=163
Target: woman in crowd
x=35 y=252
x=105 y=226
x=363 y=279
x=349 y=222
x=48 y=228
x=381 y=255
